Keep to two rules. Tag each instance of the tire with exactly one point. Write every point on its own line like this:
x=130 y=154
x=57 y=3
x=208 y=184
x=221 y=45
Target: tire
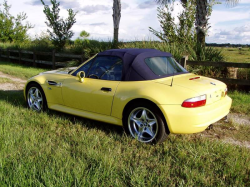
x=35 y=98
x=145 y=123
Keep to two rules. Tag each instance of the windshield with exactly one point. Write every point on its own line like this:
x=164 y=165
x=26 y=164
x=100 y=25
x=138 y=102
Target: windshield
x=164 y=65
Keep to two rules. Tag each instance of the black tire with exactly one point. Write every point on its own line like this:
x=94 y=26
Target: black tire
x=32 y=88
x=161 y=132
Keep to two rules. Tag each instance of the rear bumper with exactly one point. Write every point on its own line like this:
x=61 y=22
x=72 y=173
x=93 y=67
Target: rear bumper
x=182 y=120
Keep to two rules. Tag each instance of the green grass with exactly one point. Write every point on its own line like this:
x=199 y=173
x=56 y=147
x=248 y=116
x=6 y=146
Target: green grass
x=5 y=80
x=241 y=102
x=19 y=70
x=236 y=55
x=54 y=149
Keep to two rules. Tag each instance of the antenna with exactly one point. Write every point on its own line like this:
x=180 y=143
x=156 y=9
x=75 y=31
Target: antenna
x=172 y=81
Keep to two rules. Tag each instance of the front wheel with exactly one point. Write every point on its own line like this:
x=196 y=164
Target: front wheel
x=144 y=123
x=35 y=98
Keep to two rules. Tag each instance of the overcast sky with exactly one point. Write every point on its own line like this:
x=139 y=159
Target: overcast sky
x=228 y=24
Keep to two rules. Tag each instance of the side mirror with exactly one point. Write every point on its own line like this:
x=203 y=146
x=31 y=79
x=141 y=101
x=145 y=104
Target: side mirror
x=81 y=75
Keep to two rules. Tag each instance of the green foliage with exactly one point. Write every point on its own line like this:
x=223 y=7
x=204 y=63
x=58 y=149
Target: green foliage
x=11 y=28
x=84 y=34
x=60 y=28
x=82 y=40
x=241 y=102
x=183 y=32
x=20 y=71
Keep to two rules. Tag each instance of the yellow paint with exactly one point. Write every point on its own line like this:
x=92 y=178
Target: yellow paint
x=86 y=99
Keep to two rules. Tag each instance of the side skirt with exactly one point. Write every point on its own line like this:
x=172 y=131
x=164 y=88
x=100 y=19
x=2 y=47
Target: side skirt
x=85 y=114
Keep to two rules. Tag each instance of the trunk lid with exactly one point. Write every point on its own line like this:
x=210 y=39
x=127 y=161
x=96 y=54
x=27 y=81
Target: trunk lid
x=213 y=89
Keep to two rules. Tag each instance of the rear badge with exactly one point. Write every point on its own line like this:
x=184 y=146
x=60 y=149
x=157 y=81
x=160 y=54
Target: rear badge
x=213 y=83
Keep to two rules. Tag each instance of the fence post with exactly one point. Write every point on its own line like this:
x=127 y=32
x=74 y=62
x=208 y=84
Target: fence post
x=19 y=51
x=54 y=59
x=0 y=53
x=8 y=55
x=82 y=58
x=34 y=58
x=184 y=61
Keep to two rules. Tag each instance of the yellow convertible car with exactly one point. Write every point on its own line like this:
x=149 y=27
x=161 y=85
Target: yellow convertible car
x=144 y=90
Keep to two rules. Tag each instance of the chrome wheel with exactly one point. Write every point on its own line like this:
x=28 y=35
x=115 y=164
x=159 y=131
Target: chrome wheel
x=142 y=124
x=35 y=99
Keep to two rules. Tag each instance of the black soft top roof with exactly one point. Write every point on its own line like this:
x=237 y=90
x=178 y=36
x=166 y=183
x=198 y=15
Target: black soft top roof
x=134 y=66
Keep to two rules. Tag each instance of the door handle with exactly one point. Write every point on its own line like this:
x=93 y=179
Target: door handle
x=53 y=83
x=106 y=89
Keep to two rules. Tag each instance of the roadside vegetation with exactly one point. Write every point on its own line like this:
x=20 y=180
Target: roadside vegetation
x=56 y=149
x=53 y=148
x=18 y=70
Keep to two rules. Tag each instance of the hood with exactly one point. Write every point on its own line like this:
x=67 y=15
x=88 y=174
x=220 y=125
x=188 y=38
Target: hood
x=59 y=71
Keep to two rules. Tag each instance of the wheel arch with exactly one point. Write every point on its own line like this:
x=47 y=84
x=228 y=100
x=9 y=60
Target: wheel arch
x=27 y=86
x=142 y=100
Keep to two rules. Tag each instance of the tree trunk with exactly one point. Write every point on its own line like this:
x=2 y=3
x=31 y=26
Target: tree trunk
x=116 y=20
x=201 y=20
x=116 y=34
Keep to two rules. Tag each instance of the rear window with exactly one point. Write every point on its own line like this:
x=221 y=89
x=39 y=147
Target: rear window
x=164 y=65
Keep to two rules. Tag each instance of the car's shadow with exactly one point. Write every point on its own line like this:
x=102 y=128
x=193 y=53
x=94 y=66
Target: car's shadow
x=16 y=98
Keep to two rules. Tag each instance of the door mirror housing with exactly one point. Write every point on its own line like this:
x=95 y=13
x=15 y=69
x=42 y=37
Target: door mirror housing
x=81 y=75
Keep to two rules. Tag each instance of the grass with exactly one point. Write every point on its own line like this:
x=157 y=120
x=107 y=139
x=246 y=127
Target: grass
x=241 y=102
x=53 y=149
x=236 y=54
x=19 y=70
x=5 y=80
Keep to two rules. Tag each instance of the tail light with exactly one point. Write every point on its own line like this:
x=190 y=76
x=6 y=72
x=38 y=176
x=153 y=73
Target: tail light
x=195 y=102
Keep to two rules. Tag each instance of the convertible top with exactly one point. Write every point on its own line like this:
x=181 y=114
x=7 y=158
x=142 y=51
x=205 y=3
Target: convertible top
x=134 y=66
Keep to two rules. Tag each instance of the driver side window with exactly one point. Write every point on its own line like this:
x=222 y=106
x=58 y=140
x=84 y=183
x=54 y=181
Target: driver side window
x=103 y=66
x=84 y=68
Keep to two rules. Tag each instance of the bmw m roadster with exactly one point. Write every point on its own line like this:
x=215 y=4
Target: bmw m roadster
x=144 y=90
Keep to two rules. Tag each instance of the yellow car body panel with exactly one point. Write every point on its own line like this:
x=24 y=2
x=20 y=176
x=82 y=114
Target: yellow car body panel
x=88 y=100
x=88 y=96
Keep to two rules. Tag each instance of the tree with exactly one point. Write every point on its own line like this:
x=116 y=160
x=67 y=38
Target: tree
x=82 y=39
x=84 y=34
x=60 y=28
x=182 y=32
x=116 y=20
x=203 y=10
x=11 y=28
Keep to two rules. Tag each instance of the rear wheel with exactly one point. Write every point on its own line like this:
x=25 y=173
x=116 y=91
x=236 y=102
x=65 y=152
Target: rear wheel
x=35 y=98
x=144 y=122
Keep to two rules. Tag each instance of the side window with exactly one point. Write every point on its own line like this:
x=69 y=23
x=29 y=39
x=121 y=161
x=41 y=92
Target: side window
x=114 y=73
x=84 y=68
x=106 y=68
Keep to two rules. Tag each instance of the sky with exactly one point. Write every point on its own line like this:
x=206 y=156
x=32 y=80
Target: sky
x=229 y=24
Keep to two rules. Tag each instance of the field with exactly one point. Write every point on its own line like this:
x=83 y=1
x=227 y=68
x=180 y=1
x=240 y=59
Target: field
x=55 y=149
x=236 y=54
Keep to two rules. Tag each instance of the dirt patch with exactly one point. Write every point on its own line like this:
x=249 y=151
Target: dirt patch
x=236 y=142
x=15 y=84
x=239 y=119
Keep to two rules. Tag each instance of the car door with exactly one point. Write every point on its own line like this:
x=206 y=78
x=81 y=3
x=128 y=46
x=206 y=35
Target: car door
x=96 y=93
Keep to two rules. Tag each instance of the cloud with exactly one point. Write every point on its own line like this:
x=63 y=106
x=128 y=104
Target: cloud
x=147 y=4
x=98 y=24
x=95 y=8
x=236 y=35
x=124 y=5
x=64 y=3
x=244 y=28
